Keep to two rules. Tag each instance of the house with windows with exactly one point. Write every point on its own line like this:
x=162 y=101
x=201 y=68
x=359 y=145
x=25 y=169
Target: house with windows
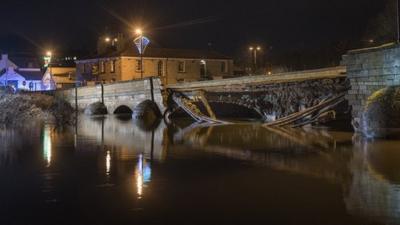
x=23 y=73
x=121 y=63
x=63 y=76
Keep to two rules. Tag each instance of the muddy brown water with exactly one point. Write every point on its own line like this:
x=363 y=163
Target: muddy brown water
x=112 y=171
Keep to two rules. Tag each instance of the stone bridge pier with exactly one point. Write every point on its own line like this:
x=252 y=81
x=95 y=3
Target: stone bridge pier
x=369 y=71
x=121 y=97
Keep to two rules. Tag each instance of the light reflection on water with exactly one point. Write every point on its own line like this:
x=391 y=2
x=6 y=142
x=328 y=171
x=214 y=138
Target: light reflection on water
x=143 y=175
x=116 y=162
x=47 y=145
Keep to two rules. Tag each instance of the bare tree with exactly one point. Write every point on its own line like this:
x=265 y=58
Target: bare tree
x=383 y=28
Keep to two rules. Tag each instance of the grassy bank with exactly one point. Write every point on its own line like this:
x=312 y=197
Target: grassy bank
x=29 y=109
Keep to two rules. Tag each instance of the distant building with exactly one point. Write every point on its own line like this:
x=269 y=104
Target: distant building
x=62 y=76
x=120 y=62
x=23 y=73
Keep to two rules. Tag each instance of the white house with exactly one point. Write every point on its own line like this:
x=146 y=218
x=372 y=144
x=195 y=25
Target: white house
x=23 y=78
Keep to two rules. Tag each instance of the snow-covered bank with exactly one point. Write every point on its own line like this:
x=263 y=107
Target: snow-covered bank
x=29 y=109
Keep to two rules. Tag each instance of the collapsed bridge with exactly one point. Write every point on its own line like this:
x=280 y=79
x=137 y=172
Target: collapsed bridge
x=282 y=99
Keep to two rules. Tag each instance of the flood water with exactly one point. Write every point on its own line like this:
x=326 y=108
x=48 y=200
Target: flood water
x=113 y=171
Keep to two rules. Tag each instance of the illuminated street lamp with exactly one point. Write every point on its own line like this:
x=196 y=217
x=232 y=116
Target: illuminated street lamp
x=47 y=60
x=112 y=40
x=253 y=51
x=139 y=32
x=141 y=43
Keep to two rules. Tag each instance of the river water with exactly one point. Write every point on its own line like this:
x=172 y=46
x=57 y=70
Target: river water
x=113 y=171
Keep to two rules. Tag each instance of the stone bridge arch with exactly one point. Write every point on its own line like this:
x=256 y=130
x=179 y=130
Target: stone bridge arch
x=125 y=93
x=122 y=109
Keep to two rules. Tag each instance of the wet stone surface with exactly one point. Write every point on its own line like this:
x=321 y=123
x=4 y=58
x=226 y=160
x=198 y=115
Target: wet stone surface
x=381 y=116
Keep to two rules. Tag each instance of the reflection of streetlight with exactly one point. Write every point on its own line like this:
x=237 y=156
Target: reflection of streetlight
x=47 y=145
x=253 y=51
x=139 y=177
x=143 y=175
x=108 y=163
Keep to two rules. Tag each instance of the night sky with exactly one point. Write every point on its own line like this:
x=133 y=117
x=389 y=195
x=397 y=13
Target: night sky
x=227 y=25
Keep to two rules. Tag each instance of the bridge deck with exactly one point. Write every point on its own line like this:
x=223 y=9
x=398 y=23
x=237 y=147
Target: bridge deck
x=333 y=72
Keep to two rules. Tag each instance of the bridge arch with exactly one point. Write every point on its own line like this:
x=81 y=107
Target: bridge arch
x=96 y=108
x=123 y=109
x=231 y=109
x=146 y=110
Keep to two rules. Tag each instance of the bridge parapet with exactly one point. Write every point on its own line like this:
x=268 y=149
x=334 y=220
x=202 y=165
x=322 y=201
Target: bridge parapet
x=298 y=76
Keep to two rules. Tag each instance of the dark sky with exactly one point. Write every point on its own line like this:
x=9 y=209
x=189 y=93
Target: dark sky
x=228 y=25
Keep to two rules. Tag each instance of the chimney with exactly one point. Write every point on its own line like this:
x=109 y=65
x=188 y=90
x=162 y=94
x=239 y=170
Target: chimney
x=4 y=57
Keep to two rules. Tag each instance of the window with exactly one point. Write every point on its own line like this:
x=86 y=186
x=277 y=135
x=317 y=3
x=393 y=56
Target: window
x=86 y=68
x=95 y=69
x=224 y=67
x=181 y=66
x=138 y=66
x=112 y=66
x=102 y=67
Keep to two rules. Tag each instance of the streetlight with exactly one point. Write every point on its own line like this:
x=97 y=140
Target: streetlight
x=141 y=43
x=139 y=32
x=253 y=51
x=112 y=40
x=48 y=58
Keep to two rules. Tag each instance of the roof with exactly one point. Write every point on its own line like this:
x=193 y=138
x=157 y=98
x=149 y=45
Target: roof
x=131 y=51
x=33 y=74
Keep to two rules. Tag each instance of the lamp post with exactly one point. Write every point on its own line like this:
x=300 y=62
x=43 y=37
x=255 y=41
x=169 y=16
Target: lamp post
x=139 y=32
x=48 y=59
x=253 y=51
x=112 y=40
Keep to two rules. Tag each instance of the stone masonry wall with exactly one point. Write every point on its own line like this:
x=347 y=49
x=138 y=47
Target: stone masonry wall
x=368 y=71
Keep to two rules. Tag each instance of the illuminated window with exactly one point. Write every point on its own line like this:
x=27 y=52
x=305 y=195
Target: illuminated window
x=95 y=69
x=138 y=66
x=102 y=67
x=112 y=66
x=181 y=66
x=224 y=67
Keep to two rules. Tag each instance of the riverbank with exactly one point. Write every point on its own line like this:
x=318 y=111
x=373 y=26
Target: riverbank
x=29 y=109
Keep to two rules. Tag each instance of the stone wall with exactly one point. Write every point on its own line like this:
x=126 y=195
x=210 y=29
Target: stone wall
x=368 y=71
